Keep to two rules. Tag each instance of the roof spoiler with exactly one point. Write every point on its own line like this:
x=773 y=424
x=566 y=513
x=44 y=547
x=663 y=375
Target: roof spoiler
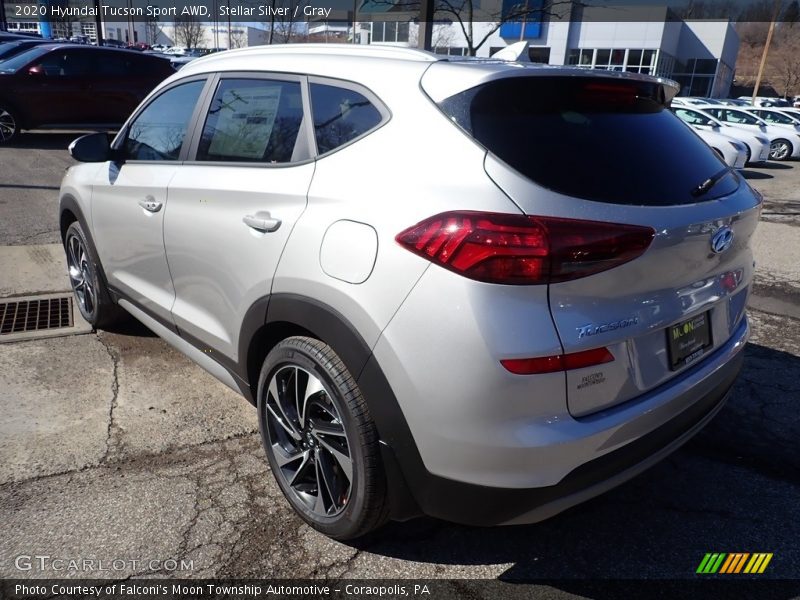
x=517 y=52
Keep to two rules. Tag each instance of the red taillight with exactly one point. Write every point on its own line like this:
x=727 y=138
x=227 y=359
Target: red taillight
x=519 y=249
x=560 y=362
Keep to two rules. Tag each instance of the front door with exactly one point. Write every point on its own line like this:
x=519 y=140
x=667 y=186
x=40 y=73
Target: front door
x=130 y=200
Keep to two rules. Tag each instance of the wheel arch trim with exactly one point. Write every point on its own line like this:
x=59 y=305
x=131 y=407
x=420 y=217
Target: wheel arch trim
x=314 y=318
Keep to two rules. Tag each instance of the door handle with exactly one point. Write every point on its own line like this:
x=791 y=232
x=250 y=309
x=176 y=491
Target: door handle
x=262 y=221
x=150 y=204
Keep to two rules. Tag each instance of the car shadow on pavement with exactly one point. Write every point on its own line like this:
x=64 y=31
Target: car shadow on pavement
x=130 y=327
x=777 y=166
x=755 y=175
x=732 y=488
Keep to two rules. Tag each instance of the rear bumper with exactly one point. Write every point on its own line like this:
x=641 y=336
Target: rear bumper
x=684 y=406
x=617 y=467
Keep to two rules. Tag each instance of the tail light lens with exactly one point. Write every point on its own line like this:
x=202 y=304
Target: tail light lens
x=521 y=249
x=559 y=362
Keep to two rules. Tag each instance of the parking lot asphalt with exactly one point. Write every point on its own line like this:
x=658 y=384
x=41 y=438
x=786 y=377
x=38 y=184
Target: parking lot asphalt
x=114 y=446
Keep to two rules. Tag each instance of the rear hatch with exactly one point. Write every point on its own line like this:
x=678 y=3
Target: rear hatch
x=605 y=148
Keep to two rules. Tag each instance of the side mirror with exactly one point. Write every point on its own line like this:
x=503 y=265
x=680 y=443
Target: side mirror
x=94 y=147
x=37 y=70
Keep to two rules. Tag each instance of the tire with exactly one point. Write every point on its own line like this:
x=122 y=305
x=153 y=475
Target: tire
x=88 y=282
x=9 y=125
x=780 y=149
x=323 y=451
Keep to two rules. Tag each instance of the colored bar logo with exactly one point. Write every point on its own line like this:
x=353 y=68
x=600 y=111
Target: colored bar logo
x=735 y=562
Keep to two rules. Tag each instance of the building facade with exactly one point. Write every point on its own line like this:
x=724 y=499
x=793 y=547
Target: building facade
x=700 y=55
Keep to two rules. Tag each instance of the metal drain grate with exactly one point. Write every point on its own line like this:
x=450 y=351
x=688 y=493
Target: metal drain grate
x=35 y=315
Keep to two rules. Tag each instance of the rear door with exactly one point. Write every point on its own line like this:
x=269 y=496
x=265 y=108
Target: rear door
x=117 y=89
x=609 y=151
x=232 y=208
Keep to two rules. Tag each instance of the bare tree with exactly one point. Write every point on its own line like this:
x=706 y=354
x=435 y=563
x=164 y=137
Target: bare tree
x=757 y=11
x=782 y=71
x=783 y=65
x=442 y=36
x=188 y=31
x=792 y=13
x=153 y=29
x=708 y=9
x=495 y=13
x=285 y=29
x=238 y=38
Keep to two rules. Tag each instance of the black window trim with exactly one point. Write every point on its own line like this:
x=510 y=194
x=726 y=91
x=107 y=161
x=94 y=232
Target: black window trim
x=199 y=120
x=188 y=153
x=386 y=114
x=119 y=141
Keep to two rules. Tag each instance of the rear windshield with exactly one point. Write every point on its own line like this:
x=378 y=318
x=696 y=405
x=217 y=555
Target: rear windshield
x=601 y=139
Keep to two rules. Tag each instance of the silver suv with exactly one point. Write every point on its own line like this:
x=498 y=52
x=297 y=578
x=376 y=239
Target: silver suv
x=478 y=290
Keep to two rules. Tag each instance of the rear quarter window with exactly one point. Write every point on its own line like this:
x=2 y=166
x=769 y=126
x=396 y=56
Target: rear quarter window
x=600 y=139
x=340 y=116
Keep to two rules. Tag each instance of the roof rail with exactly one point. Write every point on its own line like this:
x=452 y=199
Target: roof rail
x=365 y=50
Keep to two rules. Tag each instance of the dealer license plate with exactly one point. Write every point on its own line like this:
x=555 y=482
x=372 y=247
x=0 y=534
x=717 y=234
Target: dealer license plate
x=688 y=340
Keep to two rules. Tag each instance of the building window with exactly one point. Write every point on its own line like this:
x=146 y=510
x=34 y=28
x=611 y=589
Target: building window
x=23 y=27
x=582 y=57
x=89 y=30
x=389 y=31
x=665 y=65
x=696 y=76
x=539 y=55
x=641 y=61
x=451 y=50
x=613 y=59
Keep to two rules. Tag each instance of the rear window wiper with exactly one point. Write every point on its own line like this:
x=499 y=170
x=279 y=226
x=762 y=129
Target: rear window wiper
x=709 y=183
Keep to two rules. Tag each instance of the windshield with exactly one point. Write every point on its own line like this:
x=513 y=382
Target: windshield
x=16 y=62
x=692 y=117
x=5 y=47
x=735 y=116
x=776 y=117
x=595 y=138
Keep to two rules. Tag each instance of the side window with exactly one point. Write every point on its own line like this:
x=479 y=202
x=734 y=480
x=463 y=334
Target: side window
x=340 y=115
x=689 y=116
x=112 y=65
x=158 y=132
x=67 y=64
x=252 y=120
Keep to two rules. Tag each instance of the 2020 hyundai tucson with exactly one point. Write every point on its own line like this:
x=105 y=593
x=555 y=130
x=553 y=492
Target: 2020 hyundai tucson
x=480 y=290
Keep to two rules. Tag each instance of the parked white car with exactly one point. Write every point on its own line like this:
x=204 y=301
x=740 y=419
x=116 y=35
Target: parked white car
x=731 y=102
x=784 y=141
x=758 y=145
x=690 y=101
x=792 y=112
x=732 y=151
x=775 y=116
x=175 y=51
x=765 y=101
